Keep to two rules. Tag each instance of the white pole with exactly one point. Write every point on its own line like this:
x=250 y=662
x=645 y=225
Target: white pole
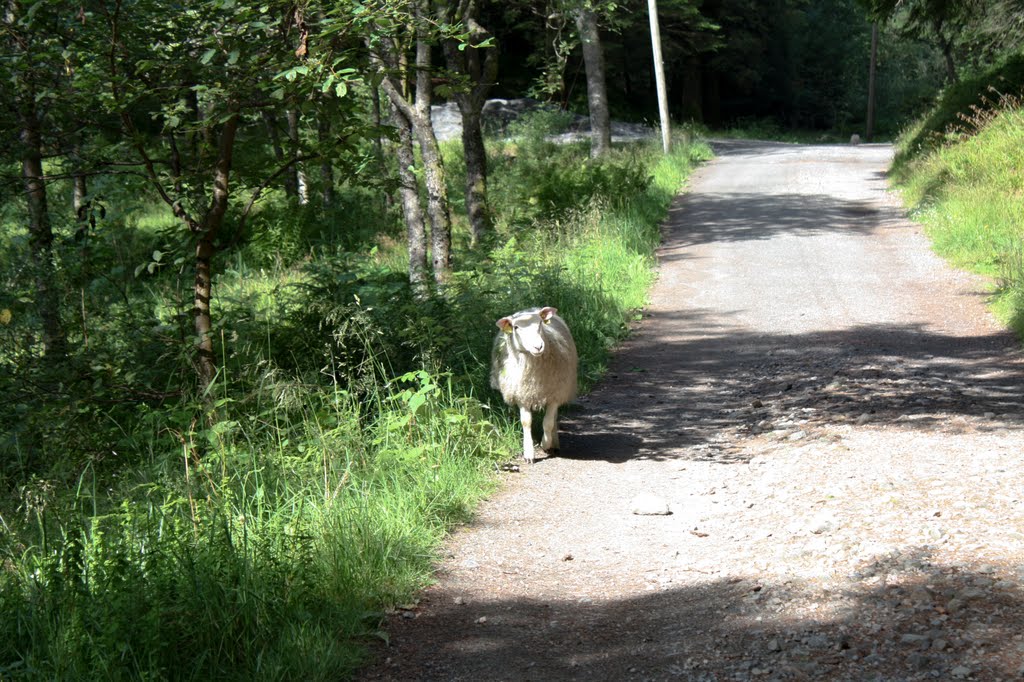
x=659 y=74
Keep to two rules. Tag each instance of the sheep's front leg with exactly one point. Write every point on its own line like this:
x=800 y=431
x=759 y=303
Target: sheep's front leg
x=526 y=419
x=550 y=441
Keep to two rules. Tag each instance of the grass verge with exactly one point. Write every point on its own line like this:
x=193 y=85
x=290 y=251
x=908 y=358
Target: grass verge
x=142 y=537
x=969 y=193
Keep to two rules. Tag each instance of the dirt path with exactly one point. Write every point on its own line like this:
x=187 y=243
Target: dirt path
x=834 y=422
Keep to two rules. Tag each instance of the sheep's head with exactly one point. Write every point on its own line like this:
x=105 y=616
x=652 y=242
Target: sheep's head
x=526 y=329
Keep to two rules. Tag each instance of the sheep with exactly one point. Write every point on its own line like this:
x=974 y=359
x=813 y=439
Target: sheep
x=533 y=365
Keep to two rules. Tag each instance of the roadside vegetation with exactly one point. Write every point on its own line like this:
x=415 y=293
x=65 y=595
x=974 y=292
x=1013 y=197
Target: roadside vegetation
x=354 y=424
x=247 y=297
x=960 y=170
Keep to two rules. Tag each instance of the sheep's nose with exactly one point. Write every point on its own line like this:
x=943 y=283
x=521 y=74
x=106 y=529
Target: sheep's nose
x=537 y=348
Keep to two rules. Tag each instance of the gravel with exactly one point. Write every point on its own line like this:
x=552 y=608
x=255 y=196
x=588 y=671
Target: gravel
x=834 y=421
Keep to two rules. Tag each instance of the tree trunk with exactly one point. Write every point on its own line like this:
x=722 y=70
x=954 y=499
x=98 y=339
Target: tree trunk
x=482 y=73
x=299 y=170
x=437 y=200
x=872 y=67
x=433 y=180
x=290 y=188
x=418 y=115
x=430 y=152
x=205 y=250
x=597 y=95
x=79 y=194
x=40 y=231
x=477 y=208
x=408 y=189
x=947 y=55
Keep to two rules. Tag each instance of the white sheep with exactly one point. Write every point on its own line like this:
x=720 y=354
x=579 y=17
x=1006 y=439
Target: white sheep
x=533 y=365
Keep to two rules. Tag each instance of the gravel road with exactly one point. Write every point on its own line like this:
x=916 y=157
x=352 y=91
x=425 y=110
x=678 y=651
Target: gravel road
x=832 y=421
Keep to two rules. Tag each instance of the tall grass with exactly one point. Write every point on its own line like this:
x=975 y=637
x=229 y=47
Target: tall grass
x=351 y=428
x=970 y=195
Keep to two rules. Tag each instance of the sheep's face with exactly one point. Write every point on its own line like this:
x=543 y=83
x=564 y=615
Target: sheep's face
x=526 y=329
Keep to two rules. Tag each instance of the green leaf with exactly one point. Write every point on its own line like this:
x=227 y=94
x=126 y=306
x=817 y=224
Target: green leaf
x=416 y=402
x=207 y=56
x=158 y=256
x=233 y=57
x=342 y=89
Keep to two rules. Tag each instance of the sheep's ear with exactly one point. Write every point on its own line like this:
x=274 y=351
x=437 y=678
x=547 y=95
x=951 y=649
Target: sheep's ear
x=505 y=325
x=547 y=313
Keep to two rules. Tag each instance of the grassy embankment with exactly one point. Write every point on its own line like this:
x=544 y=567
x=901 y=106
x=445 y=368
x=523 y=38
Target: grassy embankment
x=960 y=169
x=351 y=423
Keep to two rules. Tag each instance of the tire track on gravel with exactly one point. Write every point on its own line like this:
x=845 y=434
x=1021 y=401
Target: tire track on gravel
x=835 y=423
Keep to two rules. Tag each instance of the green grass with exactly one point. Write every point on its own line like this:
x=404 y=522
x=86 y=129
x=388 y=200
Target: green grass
x=145 y=534
x=970 y=195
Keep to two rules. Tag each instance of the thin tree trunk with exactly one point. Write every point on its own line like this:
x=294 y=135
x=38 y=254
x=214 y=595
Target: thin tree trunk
x=946 y=45
x=418 y=115
x=205 y=250
x=40 y=231
x=408 y=189
x=301 y=180
x=870 y=125
x=79 y=194
x=597 y=95
x=482 y=73
x=176 y=166
x=947 y=54
x=290 y=188
x=477 y=208
x=437 y=205
x=379 y=142
x=433 y=164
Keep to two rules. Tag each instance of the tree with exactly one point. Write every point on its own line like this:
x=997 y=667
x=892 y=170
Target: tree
x=935 y=20
x=408 y=190
x=474 y=65
x=205 y=81
x=389 y=38
x=597 y=93
x=32 y=65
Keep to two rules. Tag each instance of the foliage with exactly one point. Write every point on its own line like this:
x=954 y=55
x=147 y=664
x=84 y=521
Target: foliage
x=528 y=188
x=959 y=109
x=262 y=533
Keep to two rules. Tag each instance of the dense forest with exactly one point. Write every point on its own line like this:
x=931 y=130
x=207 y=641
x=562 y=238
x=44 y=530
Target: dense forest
x=248 y=295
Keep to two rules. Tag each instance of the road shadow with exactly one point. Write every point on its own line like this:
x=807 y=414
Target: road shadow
x=610 y=446
x=737 y=217
x=699 y=397
x=906 y=617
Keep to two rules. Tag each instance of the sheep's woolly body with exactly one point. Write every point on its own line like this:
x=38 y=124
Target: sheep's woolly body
x=535 y=382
